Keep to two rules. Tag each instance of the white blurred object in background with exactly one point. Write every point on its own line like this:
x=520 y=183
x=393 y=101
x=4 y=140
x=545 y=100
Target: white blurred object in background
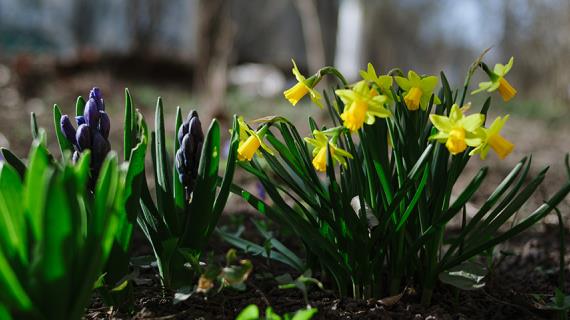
x=257 y=79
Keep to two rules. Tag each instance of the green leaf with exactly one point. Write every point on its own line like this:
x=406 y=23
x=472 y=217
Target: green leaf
x=179 y=194
x=79 y=106
x=162 y=180
x=466 y=276
x=250 y=312
x=201 y=214
x=13 y=294
x=305 y=314
x=129 y=133
x=37 y=182
x=14 y=161
x=12 y=224
x=64 y=144
x=34 y=126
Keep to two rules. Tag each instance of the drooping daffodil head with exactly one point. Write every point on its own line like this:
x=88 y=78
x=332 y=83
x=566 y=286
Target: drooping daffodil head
x=382 y=82
x=303 y=87
x=458 y=131
x=361 y=105
x=417 y=90
x=498 y=81
x=320 y=141
x=492 y=139
x=251 y=141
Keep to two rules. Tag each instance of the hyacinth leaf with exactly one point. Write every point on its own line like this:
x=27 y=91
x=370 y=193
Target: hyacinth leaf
x=12 y=224
x=223 y=194
x=37 y=178
x=64 y=144
x=15 y=296
x=201 y=209
x=135 y=172
x=105 y=197
x=129 y=126
x=79 y=106
x=179 y=198
x=162 y=171
x=34 y=126
x=14 y=161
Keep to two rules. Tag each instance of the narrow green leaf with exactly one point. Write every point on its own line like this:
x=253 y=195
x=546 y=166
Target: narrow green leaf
x=64 y=145
x=179 y=194
x=129 y=126
x=79 y=106
x=14 y=161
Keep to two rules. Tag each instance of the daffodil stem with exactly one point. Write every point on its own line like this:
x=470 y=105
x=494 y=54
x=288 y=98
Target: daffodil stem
x=332 y=71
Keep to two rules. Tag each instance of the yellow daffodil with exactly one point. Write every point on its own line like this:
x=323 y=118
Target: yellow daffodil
x=250 y=141
x=303 y=86
x=493 y=139
x=418 y=90
x=320 y=142
x=458 y=131
x=361 y=105
x=383 y=82
x=498 y=81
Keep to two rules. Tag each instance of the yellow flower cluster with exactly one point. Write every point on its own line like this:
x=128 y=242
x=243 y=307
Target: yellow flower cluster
x=458 y=131
x=368 y=99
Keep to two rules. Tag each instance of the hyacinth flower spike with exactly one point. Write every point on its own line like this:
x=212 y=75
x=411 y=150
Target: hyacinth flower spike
x=92 y=133
x=498 y=81
x=251 y=141
x=458 y=131
x=492 y=139
x=319 y=142
x=191 y=140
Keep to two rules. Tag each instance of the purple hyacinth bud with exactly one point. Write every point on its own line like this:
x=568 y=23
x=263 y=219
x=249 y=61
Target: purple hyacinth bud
x=80 y=120
x=100 y=146
x=188 y=147
x=91 y=114
x=180 y=160
x=104 y=124
x=67 y=129
x=195 y=129
x=182 y=131
x=83 y=137
x=96 y=95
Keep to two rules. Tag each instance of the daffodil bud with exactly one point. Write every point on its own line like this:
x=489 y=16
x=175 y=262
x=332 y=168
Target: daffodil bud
x=83 y=137
x=67 y=129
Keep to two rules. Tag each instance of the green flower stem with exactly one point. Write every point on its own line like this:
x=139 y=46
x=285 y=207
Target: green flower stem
x=334 y=72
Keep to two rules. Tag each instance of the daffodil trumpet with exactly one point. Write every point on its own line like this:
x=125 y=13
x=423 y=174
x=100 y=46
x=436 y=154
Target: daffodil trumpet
x=323 y=140
x=497 y=80
x=251 y=141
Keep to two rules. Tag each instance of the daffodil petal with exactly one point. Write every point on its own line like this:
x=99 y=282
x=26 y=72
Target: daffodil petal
x=442 y=123
x=472 y=122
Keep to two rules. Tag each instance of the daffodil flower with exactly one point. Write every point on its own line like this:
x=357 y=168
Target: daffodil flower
x=320 y=142
x=458 y=131
x=384 y=82
x=498 y=81
x=361 y=105
x=250 y=141
x=303 y=86
x=493 y=139
x=418 y=90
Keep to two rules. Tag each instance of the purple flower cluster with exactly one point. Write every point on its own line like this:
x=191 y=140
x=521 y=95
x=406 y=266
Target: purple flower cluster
x=191 y=139
x=92 y=132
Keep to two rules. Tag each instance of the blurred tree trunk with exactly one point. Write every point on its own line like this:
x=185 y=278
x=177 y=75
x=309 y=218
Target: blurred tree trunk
x=144 y=17
x=216 y=34
x=312 y=34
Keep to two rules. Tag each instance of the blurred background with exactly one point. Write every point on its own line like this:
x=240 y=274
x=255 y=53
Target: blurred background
x=225 y=57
